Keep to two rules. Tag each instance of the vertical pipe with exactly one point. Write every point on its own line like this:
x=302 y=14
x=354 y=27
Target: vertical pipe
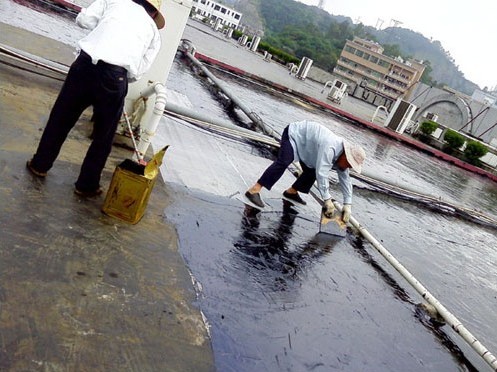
x=150 y=126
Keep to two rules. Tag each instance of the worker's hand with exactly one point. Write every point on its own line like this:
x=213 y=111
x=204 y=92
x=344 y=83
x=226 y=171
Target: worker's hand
x=346 y=211
x=328 y=208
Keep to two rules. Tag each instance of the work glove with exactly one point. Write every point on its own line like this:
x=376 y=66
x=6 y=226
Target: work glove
x=328 y=208
x=346 y=211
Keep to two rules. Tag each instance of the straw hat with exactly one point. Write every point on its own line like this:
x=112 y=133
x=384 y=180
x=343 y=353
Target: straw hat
x=159 y=18
x=355 y=156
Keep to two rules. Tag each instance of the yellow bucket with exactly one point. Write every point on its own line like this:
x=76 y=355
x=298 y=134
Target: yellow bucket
x=130 y=188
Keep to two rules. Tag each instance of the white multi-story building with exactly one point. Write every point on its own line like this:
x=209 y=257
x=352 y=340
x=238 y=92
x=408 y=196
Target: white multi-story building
x=216 y=11
x=363 y=61
x=489 y=98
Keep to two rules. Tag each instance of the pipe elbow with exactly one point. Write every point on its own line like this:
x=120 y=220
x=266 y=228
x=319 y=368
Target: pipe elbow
x=159 y=90
x=160 y=99
x=148 y=91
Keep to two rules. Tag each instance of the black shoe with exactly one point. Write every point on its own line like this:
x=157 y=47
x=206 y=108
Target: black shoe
x=35 y=172
x=294 y=198
x=89 y=194
x=255 y=199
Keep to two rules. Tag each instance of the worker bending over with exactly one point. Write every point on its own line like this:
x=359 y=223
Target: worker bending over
x=319 y=151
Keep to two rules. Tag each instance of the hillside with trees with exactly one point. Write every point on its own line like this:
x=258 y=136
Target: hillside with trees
x=307 y=31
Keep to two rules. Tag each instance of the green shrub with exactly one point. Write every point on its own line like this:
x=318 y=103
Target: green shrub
x=474 y=151
x=236 y=34
x=425 y=130
x=278 y=54
x=428 y=127
x=454 y=141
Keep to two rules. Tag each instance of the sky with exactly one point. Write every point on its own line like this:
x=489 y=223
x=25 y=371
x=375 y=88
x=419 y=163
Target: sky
x=466 y=29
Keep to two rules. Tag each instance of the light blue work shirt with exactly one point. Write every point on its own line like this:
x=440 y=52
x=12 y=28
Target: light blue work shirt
x=319 y=148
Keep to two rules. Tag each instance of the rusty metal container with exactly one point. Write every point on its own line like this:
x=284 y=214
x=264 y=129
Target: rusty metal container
x=130 y=189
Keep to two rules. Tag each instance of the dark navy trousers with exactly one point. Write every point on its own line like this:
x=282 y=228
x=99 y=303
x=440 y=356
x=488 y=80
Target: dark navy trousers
x=103 y=86
x=285 y=157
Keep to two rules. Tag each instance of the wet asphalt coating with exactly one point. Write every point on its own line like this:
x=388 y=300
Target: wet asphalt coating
x=279 y=298
x=278 y=255
x=278 y=295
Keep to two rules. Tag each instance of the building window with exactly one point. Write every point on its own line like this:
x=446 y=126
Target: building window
x=237 y=16
x=223 y=10
x=378 y=75
x=217 y=7
x=383 y=63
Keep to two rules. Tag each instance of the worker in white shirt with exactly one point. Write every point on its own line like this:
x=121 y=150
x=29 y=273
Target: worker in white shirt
x=123 y=42
x=319 y=151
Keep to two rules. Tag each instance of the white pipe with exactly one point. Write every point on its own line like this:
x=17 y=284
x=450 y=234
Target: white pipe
x=149 y=128
x=376 y=112
x=326 y=85
x=35 y=60
x=448 y=317
x=251 y=114
x=213 y=122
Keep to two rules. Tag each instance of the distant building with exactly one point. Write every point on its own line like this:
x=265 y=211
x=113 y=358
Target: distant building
x=489 y=98
x=216 y=11
x=362 y=62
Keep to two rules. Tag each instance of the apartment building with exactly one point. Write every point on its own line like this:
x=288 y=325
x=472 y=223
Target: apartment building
x=362 y=62
x=216 y=11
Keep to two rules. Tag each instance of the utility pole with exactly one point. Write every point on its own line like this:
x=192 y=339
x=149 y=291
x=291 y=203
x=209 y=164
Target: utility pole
x=395 y=22
x=379 y=22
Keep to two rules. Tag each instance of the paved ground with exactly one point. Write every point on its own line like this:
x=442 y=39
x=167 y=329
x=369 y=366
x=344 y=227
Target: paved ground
x=79 y=290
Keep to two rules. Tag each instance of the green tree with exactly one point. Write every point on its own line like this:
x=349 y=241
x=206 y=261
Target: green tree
x=474 y=151
x=297 y=29
x=428 y=127
x=454 y=141
x=392 y=50
x=426 y=77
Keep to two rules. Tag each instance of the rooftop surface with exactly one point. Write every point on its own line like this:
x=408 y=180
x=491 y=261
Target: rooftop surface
x=80 y=289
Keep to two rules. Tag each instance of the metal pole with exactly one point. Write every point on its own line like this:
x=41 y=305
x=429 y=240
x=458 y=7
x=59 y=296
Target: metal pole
x=469 y=122
x=485 y=132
